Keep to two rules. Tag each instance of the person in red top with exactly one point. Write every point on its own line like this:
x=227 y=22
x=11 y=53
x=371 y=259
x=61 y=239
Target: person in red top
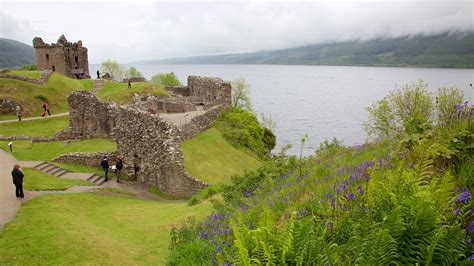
x=46 y=108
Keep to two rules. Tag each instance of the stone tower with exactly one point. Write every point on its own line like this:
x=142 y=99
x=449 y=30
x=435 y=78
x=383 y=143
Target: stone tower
x=64 y=57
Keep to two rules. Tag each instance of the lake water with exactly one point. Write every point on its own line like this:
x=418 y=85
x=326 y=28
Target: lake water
x=322 y=101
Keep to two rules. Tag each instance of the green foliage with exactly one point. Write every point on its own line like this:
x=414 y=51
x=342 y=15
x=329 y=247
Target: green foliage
x=166 y=79
x=446 y=102
x=28 y=67
x=43 y=127
x=410 y=111
x=242 y=129
x=269 y=139
x=133 y=72
x=241 y=95
x=116 y=71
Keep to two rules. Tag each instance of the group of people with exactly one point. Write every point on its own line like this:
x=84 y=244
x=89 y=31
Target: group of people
x=117 y=167
x=45 y=110
x=129 y=81
x=18 y=175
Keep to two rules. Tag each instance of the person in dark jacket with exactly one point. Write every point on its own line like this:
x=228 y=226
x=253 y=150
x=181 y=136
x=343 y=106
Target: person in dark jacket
x=105 y=166
x=18 y=175
x=118 y=167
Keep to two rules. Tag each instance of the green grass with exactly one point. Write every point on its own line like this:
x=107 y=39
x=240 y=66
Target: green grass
x=120 y=93
x=37 y=180
x=46 y=151
x=93 y=228
x=42 y=127
x=57 y=90
x=34 y=74
x=156 y=191
x=77 y=168
x=212 y=159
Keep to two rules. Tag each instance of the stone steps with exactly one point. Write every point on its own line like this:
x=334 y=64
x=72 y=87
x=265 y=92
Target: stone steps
x=99 y=83
x=56 y=171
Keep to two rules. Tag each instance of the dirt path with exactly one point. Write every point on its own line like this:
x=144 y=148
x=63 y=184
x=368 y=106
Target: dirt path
x=34 y=118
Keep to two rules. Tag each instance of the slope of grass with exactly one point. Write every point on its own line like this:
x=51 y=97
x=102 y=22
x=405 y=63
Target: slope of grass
x=37 y=180
x=41 y=127
x=93 y=228
x=120 y=93
x=46 y=151
x=212 y=159
x=56 y=91
x=34 y=74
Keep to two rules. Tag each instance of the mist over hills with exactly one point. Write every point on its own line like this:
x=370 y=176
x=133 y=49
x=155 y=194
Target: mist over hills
x=450 y=50
x=14 y=53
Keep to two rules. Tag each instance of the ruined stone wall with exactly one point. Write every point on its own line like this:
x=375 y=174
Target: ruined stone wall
x=153 y=147
x=90 y=117
x=64 y=57
x=200 y=123
x=208 y=89
x=42 y=81
x=88 y=159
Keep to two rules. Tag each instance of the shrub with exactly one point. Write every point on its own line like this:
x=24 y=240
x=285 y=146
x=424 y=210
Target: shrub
x=446 y=102
x=28 y=67
x=242 y=129
x=166 y=79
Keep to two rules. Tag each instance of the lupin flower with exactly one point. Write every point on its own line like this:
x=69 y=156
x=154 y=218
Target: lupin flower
x=360 y=190
x=351 y=196
x=465 y=196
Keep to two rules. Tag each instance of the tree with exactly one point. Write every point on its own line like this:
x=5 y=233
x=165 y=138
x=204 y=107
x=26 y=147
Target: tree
x=166 y=79
x=133 y=72
x=116 y=71
x=240 y=95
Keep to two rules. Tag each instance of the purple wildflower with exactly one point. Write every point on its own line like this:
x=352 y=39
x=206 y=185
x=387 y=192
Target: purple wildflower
x=333 y=202
x=328 y=194
x=456 y=211
x=302 y=213
x=469 y=240
x=471 y=257
x=470 y=229
x=465 y=196
x=351 y=196
x=465 y=103
x=338 y=190
x=360 y=190
x=457 y=107
x=412 y=165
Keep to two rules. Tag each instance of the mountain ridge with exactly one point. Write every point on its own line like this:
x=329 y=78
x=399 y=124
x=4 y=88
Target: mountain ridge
x=14 y=53
x=450 y=50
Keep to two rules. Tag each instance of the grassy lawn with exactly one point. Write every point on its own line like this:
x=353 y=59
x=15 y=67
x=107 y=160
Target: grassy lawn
x=34 y=74
x=37 y=180
x=212 y=159
x=93 y=228
x=77 y=168
x=57 y=90
x=46 y=151
x=120 y=93
x=42 y=127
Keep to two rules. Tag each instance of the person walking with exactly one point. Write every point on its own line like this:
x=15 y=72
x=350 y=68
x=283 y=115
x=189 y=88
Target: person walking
x=98 y=74
x=18 y=112
x=17 y=176
x=129 y=84
x=118 y=167
x=105 y=165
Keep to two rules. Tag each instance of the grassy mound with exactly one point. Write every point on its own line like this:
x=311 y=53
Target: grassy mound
x=93 y=228
x=41 y=128
x=34 y=74
x=120 y=93
x=212 y=159
x=46 y=151
x=28 y=94
x=37 y=180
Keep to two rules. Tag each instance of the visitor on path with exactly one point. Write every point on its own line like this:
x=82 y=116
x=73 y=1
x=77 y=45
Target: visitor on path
x=18 y=112
x=18 y=175
x=129 y=84
x=118 y=167
x=105 y=166
x=98 y=74
x=46 y=108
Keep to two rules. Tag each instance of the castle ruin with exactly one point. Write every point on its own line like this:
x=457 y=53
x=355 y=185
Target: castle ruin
x=149 y=140
x=64 y=57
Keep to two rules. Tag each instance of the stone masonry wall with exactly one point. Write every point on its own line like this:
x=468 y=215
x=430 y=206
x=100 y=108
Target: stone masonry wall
x=200 y=123
x=88 y=159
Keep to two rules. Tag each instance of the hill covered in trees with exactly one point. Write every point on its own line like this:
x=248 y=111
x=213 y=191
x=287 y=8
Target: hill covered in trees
x=444 y=50
x=14 y=53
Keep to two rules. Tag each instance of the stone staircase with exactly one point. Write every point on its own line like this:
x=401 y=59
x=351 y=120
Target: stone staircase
x=54 y=170
x=51 y=169
x=99 y=83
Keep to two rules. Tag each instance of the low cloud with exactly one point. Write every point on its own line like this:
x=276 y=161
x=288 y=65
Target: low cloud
x=148 y=30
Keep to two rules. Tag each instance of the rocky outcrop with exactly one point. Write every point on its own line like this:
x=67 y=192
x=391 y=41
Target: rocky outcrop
x=7 y=106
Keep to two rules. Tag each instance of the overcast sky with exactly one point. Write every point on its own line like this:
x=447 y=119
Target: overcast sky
x=140 y=30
